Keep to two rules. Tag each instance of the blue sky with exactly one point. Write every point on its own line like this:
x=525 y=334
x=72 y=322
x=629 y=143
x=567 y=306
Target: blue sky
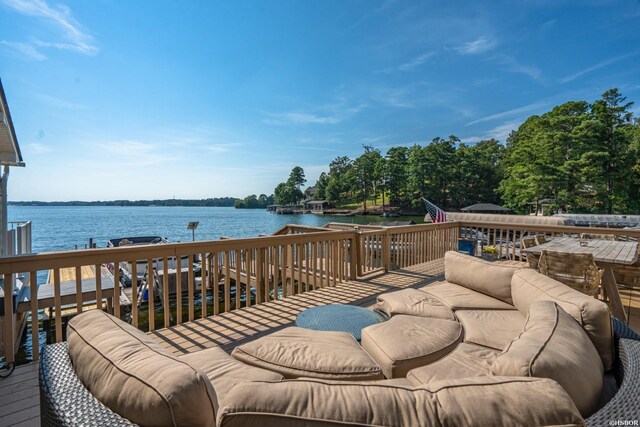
x=160 y=99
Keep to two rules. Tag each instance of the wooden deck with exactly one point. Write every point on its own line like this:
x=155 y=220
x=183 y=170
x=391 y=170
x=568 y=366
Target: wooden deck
x=236 y=327
x=19 y=398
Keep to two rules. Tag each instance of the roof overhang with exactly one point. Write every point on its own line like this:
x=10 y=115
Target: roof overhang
x=9 y=149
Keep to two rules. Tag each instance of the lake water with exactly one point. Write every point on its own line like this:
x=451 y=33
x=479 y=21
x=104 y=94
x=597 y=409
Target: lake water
x=67 y=227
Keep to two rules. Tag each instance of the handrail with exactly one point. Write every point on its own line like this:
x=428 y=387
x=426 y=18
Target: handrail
x=553 y=228
x=62 y=259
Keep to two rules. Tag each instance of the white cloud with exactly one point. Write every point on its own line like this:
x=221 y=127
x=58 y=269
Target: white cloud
x=76 y=37
x=334 y=113
x=500 y=133
x=513 y=112
x=511 y=64
x=25 y=49
x=415 y=62
x=599 y=65
x=37 y=148
x=480 y=45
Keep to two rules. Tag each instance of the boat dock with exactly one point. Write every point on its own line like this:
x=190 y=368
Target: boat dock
x=72 y=290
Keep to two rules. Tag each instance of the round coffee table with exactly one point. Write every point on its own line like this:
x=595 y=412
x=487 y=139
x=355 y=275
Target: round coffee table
x=340 y=318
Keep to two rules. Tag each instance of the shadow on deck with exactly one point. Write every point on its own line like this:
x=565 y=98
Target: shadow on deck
x=239 y=326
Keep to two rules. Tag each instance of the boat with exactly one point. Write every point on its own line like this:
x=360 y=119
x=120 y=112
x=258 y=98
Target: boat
x=142 y=271
x=141 y=265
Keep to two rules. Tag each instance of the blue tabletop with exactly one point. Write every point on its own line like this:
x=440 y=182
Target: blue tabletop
x=339 y=317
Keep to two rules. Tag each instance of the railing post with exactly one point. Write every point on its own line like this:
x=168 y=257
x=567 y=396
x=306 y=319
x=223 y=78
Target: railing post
x=386 y=250
x=260 y=282
x=8 y=339
x=355 y=269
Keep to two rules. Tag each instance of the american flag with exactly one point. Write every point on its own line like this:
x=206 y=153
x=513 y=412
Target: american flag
x=436 y=214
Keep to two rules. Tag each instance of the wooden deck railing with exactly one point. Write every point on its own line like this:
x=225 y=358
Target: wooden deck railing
x=507 y=238
x=222 y=275
x=233 y=273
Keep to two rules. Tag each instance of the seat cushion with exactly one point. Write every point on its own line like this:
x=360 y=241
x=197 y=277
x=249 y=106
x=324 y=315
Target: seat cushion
x=553 y=345
x=415 y=303
x=458 y=297
x=489 y=278
x=224 y=371
x=296 y=352
x=491 y=328
x=134 y=376
x=407 y=342
x=467 y=360
x=594 y=316
x=482 y=401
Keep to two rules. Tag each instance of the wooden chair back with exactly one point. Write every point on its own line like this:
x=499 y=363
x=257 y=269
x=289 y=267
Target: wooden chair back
x=576 y=270
x=596 y=236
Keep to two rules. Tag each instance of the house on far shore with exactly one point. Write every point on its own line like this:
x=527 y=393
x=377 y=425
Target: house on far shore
x=316 y=206
x=310 y=193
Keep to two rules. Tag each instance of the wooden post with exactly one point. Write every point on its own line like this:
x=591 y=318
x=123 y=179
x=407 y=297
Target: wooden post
x=8 y=338
x=356 y=255
x=386 y=250
x=259 y=275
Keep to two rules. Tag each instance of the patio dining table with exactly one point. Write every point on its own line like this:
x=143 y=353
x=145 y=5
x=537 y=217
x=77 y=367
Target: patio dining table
x=606 y=253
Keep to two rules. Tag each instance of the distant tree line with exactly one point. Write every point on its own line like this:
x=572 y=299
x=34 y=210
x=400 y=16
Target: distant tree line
x=255 y=202
x=585 y=157
x=215 y=202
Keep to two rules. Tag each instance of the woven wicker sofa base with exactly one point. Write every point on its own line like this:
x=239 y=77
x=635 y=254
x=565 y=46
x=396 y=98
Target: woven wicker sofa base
x=64 y=401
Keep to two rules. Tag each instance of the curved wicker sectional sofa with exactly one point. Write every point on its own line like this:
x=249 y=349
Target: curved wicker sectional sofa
x=490 y=345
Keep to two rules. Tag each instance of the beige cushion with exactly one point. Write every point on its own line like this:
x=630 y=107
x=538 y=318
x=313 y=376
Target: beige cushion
x=467 y=360
x=594 y=316
x=415 y=303
x=407 y=342
x=135 y=377
x=491 y=328
x=296 y=352
x=553 y=345
x=504 y=401
x=489 y=278
x=488 y=401
x=458 y=297
x=224 y=371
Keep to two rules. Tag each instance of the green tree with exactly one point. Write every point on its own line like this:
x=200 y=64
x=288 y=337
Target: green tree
x=366 y=173
x=296 y=177
x=440 y=167
x=339 y=179
x=321 y=186
x=608 y=160
x=396 y=174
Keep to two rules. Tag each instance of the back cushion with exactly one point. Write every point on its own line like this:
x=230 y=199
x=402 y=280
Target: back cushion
x=480 y=401
x=136 y=377
x=553 y=345
x=528 y=286
x=486 y=277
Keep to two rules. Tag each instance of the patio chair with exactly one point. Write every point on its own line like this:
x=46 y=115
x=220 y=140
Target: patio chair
x=576 y=270
x=532 y=259
x=595 y=236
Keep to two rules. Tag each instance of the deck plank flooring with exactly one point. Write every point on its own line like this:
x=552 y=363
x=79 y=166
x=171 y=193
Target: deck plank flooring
x=20 y=398
x=239 y=326
x=19 y=394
